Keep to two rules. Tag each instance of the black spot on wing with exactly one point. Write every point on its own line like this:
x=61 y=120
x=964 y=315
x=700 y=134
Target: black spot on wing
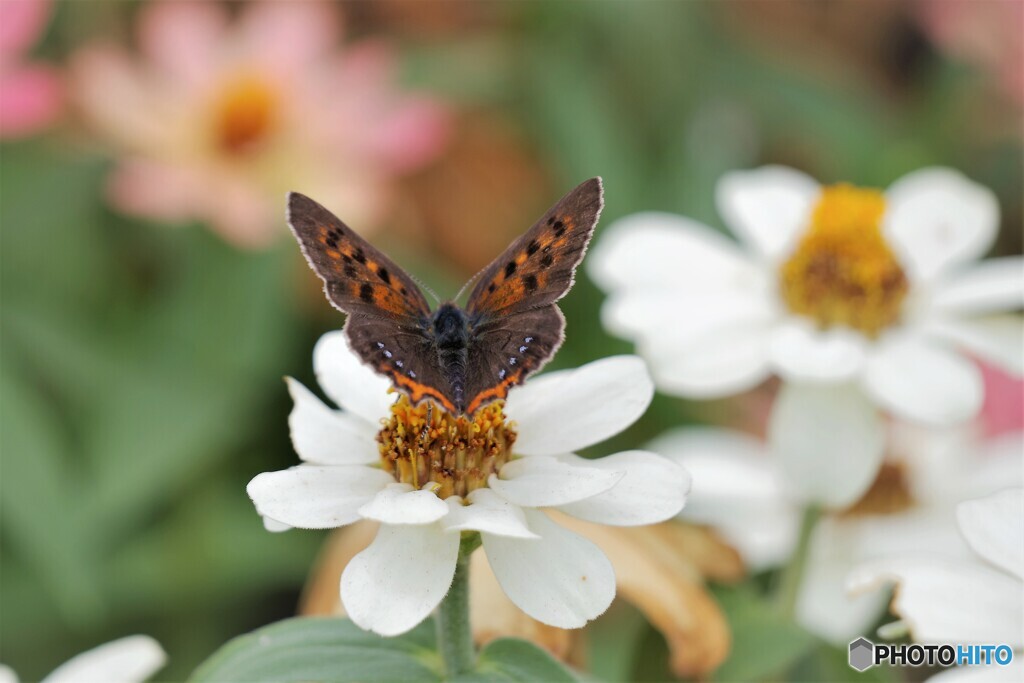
x=384 y=275
x=366 y=292
x=510 y=268
x=532 y=248
x=530 y=281
x=546 y=260
x=359 y=255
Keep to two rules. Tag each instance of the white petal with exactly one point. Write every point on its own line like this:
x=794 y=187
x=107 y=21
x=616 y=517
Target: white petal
x=716 y=365
x=736 y=489
x=994 y=528
x=992 y=286
x=398 y=580
x=653 y=489
x=314 y=497
x=1011 y=673
x=126 y=660
x=767 y=207
x=560 y=579
x=7 y=675
x=948 y=601
x=998 y=339
x=922 y=382
x=684 y=316
x=829 y=440
x=490 y=513
x=936 y=218
x=348 y=382
x=274 y=526
x=823 y=605
x=567 y=411
x=800 y=352
x=401 y=504
x=660 y=250
x=328 y=437
x=543 y=481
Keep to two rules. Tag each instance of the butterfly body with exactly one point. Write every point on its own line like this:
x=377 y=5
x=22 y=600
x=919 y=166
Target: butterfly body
x=461 y=358
x=452 y=333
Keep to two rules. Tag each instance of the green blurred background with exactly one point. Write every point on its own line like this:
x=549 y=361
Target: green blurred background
x=141 y=365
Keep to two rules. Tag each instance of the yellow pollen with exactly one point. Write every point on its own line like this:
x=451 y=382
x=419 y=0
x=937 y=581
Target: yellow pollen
x=843 y=271
x=426 y=444
x=244 y=114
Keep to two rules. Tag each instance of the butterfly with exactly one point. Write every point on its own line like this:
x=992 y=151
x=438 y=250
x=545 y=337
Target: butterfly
x=462 y=358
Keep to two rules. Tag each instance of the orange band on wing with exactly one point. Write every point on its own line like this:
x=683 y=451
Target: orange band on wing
x=417 y=392
x=494 y=393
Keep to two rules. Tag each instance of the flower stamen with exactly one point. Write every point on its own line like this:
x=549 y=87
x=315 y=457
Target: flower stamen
x=244 y=114
x=424 y=443
x=843 y=271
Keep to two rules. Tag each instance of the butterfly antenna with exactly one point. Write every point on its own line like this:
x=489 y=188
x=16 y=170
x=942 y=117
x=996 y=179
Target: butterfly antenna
x=469 y=282
x=425 y=288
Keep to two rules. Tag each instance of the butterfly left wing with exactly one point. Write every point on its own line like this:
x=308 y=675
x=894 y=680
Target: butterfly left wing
x=538 y=268
x=406 y=356
x=504 y=352
x=388 y=318
x=357 y=277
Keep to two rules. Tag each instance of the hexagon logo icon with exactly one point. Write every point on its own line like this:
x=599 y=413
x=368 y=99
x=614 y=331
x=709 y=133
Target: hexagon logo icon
x=862 y=653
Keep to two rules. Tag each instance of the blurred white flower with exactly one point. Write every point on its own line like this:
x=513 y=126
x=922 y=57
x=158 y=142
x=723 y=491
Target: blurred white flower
x=858 y=299
x=741 y=492
x=426 y=476
x=976 y=600
x=126 y=660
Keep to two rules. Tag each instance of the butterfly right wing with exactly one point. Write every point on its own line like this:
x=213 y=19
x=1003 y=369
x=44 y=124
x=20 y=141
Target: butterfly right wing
x=357 y=277
x=507 y=350
x=538 y=268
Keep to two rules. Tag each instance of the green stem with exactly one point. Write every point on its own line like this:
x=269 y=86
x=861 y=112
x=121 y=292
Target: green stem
x=454 y=635
x=793 y=574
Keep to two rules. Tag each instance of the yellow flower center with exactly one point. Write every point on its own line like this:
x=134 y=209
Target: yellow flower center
x=244 y=114
x=889 y=494
x=842 y=271
x=424 y=443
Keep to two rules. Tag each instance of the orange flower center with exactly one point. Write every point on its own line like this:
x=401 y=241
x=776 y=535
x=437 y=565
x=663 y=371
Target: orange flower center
x=889 y=494
x=424 y=443
x=245 y=113
x=843 y=271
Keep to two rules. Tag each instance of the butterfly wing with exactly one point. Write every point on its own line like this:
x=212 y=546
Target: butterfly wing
x=388 y=318
x=408 y=357
x=357 y=277
x=538 y=268
x=506 y=351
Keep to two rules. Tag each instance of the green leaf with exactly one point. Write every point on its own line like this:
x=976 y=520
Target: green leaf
x=323 y=649
x=34 y=486
x=829 y=663
x=511 y=659
x=764 y=643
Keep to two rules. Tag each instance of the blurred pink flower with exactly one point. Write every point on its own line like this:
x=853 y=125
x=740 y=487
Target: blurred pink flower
x=220 y=117
x=30 y=94
x=987 y=34
x=1003 y=410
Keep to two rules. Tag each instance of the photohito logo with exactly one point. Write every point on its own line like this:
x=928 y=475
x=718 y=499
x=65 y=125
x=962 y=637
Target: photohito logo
x=864 y=654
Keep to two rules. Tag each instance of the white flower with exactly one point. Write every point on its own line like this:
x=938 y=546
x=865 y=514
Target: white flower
x=859 y=300
x=741 y=492
x=553 y=575
x=126 y=660
x=978 y=600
